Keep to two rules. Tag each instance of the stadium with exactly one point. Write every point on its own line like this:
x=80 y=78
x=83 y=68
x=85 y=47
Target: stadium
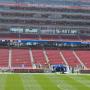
x=44 y=44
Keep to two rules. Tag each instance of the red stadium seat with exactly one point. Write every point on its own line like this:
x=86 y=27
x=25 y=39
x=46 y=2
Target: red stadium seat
x=21 y=58
x=4 y=57
x=84 y=57
x=54 y=56
x=70 y=58
x=39 y=57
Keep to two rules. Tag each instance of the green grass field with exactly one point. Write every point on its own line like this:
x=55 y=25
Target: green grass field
x=44 y=82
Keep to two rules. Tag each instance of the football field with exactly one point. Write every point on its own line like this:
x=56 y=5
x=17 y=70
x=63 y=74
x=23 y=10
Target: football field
x=44 y=82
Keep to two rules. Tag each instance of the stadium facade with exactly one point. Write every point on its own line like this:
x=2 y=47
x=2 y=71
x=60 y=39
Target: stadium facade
x=52 y=17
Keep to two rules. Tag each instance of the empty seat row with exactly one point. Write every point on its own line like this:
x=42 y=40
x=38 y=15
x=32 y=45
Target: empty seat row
x=84 y=57
x=42 y=37
x=22 y=57
x=4 y=57
x=54 y=56
x=70 y=58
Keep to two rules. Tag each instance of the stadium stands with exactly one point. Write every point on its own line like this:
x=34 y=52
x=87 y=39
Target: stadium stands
x=35 y=30
x=21 y=58
x=39 y=57
x=84 y=37
x=70 y=37
x=22 y=36
x=4 y=57
x=54 y=56
x=70 y=58
x=8 y=36
x=50 y=37
x=84 y=57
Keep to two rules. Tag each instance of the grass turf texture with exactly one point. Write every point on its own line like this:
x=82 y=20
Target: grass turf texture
x=44 y=82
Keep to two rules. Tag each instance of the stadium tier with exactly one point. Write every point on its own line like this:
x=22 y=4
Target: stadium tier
x=20 y=58
x=54 y=56
x=43 y=33
x=27 y=19
x=4 y=57
x=38 y=56
x=70 y=58
x=27 y=58
x=85 y=57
